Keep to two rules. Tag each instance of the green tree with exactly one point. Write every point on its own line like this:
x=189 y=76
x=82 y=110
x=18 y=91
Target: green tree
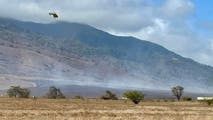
x=109 y=96
x=134 y=96
x=177 y=92
x=18 y=92
x=55 y=93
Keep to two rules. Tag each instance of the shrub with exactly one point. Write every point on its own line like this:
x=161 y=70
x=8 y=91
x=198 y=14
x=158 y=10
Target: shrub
x=78 y=97
x=55 y=93
x=187 y=98
x=18 y=92
x=109 y=96
x=134 y=96
x=208 y=101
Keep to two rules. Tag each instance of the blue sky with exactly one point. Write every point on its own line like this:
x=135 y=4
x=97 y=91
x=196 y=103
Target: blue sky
x=183 y=26
x=203 y=15
x=203 y=10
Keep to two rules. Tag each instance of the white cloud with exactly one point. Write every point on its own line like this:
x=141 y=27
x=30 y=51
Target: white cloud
x=176 y=8
x=178 y=38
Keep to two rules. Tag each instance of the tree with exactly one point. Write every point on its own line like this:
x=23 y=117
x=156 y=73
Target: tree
x=18 y=92
x=134 y=96
x=55 y=93
x=109 y=96
x=177 y=92
x=60 y=94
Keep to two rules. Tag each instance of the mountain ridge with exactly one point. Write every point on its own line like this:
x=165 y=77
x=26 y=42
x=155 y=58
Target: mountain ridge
x=107 y=59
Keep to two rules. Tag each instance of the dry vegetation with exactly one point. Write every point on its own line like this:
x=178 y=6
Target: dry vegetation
x=92 y=109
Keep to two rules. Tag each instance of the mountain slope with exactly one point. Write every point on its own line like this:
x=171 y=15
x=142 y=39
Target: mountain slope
x=72 y=53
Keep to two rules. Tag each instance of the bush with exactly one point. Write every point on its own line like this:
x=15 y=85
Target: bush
x=79 y=97
x=55 y=93
x=208 y=102
x=134 y=96
x=109 y=96
x=187 y=98
x=18 y=92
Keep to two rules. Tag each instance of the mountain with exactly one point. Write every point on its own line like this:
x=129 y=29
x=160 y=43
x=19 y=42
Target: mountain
x=62 y=53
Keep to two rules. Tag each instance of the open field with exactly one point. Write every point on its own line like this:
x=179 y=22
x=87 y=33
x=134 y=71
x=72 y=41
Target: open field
x=95 y=109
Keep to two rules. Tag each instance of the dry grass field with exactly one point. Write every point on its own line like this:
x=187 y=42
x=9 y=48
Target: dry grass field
x=92 y=109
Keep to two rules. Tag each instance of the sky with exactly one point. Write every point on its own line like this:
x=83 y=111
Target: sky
x=182 y=26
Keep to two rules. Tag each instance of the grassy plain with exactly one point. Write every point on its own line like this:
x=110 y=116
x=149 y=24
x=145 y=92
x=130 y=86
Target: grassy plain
x=95 y=109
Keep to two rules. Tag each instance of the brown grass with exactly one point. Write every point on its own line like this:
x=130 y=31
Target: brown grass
x=92 y=109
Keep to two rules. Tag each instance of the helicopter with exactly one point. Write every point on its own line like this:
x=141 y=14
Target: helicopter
x=53 y=14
